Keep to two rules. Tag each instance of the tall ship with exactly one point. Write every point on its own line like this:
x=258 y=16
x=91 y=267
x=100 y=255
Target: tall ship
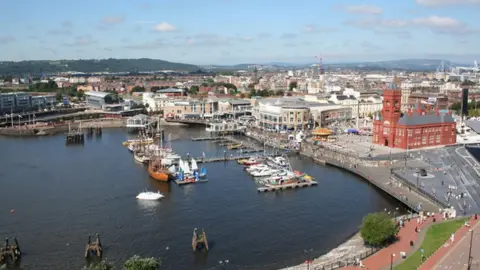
x=156 y=167
x=158 y=171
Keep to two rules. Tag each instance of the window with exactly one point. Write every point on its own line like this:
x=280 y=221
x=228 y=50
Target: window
x=410 y=133
x=424 y=140
x=438 y=138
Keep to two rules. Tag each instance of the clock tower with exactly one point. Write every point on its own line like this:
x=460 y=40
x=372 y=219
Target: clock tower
x=385 y=126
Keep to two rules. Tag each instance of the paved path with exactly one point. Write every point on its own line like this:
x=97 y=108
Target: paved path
x=455 y=256
x=382 y=259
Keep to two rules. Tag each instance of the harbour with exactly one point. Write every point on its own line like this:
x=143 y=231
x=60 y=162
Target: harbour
x=163 y=229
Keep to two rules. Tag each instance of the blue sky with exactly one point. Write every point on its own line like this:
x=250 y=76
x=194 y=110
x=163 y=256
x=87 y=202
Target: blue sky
x=240 y=31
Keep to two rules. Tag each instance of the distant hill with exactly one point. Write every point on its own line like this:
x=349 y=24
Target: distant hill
x=88 y=66
x=402 y=64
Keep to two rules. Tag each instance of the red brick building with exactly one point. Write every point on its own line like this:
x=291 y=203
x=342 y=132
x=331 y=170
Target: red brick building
x=419 y=127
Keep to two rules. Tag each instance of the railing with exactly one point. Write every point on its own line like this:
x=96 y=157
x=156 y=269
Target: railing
x=420 y=190
x=346 y=262
x=368 y=178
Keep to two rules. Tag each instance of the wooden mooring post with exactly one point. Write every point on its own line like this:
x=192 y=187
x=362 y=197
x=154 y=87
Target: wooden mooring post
x=10 y=251
x=94 y=248
x=199 y=241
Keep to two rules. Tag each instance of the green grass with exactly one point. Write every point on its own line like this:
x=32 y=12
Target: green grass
x=435 y=237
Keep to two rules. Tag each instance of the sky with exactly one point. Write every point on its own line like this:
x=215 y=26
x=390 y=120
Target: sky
x=229 y=32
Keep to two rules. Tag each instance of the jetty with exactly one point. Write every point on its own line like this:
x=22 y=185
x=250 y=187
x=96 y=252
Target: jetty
x=210 y=138
x=269 y=187
x=75 y=136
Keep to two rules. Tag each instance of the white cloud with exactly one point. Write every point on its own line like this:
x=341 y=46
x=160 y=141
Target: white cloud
x=437 y=22
x=376 y=22
x=363 y=9
x=447 y=2
x=311 y=28
x=164 y=27
x=110 y=20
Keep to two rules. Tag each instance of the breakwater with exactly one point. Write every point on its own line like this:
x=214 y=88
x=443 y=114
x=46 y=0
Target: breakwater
x=45 y=130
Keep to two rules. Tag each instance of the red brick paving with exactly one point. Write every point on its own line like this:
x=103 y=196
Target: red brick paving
x=444 y=252
x=382 y=258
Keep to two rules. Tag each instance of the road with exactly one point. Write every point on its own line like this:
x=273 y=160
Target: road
x=457 y=258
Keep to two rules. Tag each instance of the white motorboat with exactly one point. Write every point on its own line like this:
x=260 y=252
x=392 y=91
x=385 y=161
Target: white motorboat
x=257 y=167
x=278 y=161
x=150 y=196
x=263 y=173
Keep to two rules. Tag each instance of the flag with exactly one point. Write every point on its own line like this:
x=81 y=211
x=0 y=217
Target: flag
x=203 y=154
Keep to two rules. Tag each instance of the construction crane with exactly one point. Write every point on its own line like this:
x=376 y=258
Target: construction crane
x=320 y=64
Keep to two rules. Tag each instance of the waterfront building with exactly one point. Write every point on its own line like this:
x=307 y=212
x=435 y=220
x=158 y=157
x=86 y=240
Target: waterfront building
x=419 y=127
x=155 y=102
x=38 y=102
x=234 y=105
x=297 y=113
x=191 y=108
x=22 y=101
x=96 y=99
x=7 y=102
x=172 y=92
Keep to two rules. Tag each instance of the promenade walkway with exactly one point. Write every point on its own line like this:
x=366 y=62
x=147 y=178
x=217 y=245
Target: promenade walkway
x=383 y=258
x=454 y=256
x=377 y=173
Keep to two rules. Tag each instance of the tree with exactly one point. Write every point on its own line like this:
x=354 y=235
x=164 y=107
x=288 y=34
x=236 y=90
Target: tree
x=103 y=265
x=279 y=93
x=467 y=83
x=292 y=85
x=193 y=90
x=154 y=88
x=138 y=263
x=378 y=229
x=59 y=96
x=138 y=89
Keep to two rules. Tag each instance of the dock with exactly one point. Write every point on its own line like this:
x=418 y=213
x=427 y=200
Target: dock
x=195 y=139
x=178 y=182
x=287 y=186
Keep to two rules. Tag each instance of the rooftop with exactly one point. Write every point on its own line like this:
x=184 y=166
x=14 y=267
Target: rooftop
x=171 y=90
x=97 y=94
x=415 y=119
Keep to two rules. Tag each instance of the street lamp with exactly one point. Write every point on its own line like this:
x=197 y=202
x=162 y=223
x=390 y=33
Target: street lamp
x=224 y=263
x=418 y=176
x=391 y=261
x=470 y=259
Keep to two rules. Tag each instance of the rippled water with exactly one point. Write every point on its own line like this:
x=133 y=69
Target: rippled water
x=61 y=194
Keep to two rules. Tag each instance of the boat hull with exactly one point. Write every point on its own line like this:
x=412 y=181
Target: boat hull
x=159 y=175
